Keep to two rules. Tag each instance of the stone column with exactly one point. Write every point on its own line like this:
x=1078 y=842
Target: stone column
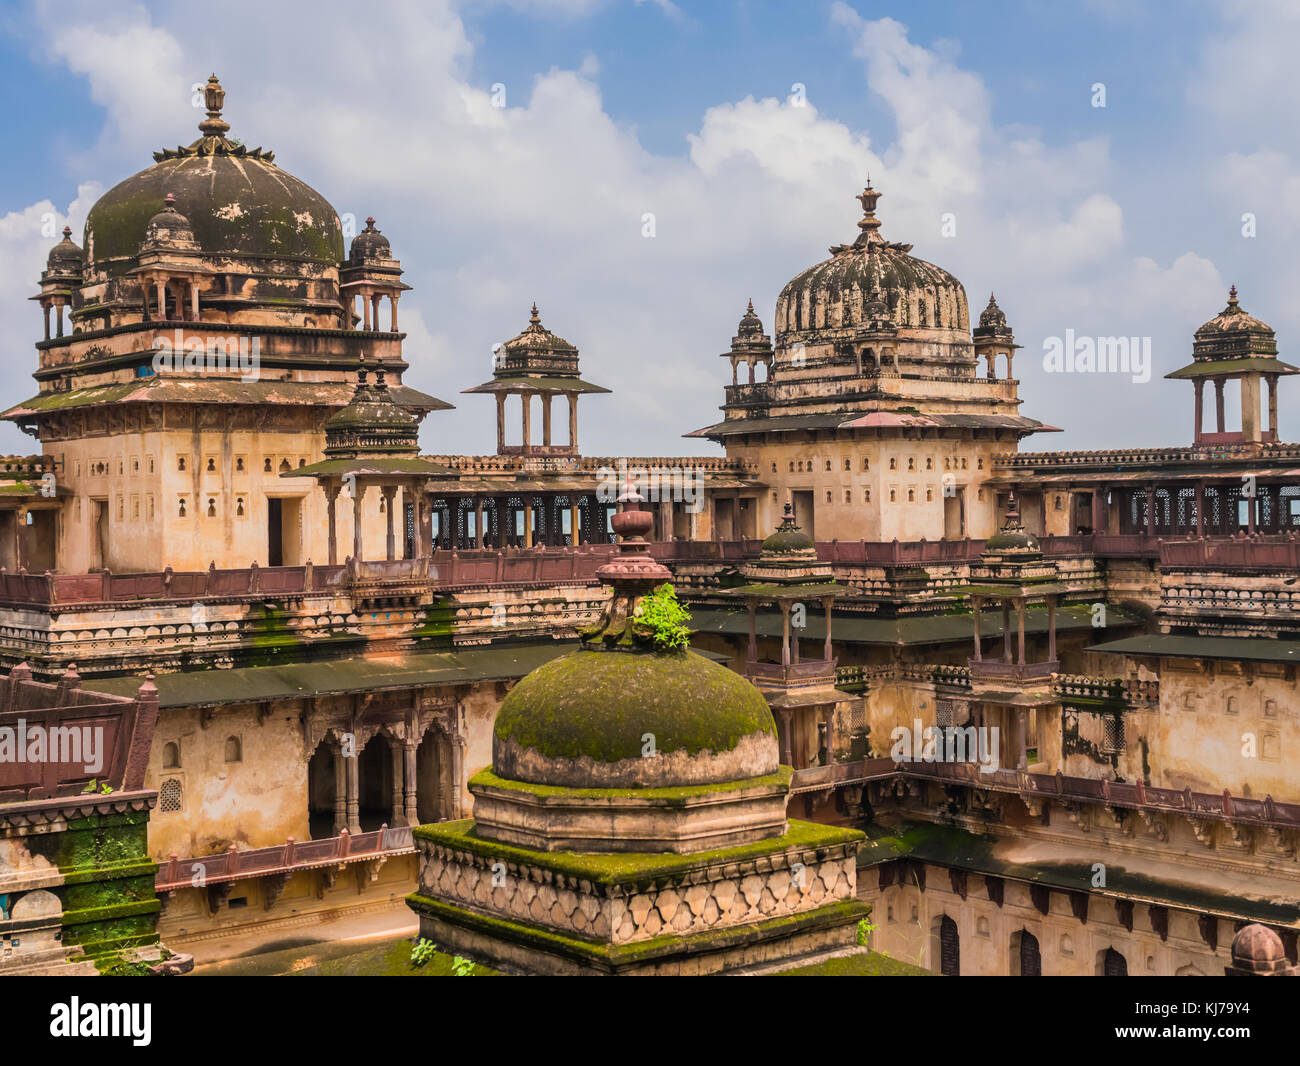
x=546 y=420
x=194 y=300
x=332 y=495
x=457 y=774
x=392 y=303
x=1199 y=383
x=1271 y=379
x=1051 y=628
x=1099 y=509
x=399 y=810
x=785 y=634
x=830 y=734
x=573 y=420
x=365 y=310
x=354 y=793
x=46 y=308
x=527 y=420
x=358 y=494
x=1006 y=631
x=827 y=651
x=409 y=759
x=575 y=520
x=787 y=748
x=1020 y=626
x=374 y=310
x=340 y=792
x=1021 y=746
x=1218 y=403
x=390 y=491
x=478 y=520
x=161 y=289
x=501 y=422
x=20 y=523
x=753 y=632
x=975 y=605
x=665 y=519
x=418 y=523
x=528 y=521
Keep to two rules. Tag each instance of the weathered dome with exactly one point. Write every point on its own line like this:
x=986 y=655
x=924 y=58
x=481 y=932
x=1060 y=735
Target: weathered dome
x=993 y=322
x=838 y=292
x=1257 y=949
x=65 y=256
x=788 y=538
x=237 y=201
x=169 y=229
x=369 y=244
x=1013 y=539
x=371 y=424
x=1233 y=333
x=582 y=721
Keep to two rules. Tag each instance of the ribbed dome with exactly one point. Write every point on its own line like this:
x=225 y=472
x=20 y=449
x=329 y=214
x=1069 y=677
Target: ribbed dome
x=838 y=293
x=237 y=201
x=1233 y=333
x=169 y=229
x=788 y=538
x=371 y=424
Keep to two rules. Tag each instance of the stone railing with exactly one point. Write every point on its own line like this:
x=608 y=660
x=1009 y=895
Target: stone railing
x=1213 y=553
x=282 y=859
x=1130 y=457
x=515 y=566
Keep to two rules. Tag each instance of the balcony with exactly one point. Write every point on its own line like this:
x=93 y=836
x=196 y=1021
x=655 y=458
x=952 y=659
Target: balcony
x=999 y=671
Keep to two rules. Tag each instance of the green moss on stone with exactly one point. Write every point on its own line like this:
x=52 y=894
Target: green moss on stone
x=670 y=796
x=602 y=703
x=633 y=868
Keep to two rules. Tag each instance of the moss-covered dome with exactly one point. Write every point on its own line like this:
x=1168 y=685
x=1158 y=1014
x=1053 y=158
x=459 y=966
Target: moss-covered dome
x=64 y=256
x=237 y=201
x=788 y=538
x=582 y=720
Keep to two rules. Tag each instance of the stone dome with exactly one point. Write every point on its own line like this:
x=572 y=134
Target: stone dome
x=837 y=294
x=369 y=244
x=583 y=720
x=788 y=538
x=993 y=322
x=65 y=257
x=580 y=721
x=1257 y=949
x=169 y=229
x=1233 y=333
x=238 y=202
x=372 y=423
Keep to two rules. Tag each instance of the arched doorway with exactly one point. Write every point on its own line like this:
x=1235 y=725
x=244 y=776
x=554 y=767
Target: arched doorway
x=1026 y=960
x=431 y=765
x=1110 y=963
x=375 y=783
x=949 y=948
x=323 y=774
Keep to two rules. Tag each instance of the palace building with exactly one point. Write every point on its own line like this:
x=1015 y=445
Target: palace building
x=309 y=637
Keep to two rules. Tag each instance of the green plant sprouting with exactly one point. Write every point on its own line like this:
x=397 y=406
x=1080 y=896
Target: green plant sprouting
x=665 y=617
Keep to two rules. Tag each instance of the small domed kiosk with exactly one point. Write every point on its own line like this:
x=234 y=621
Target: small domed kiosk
x=633 y=820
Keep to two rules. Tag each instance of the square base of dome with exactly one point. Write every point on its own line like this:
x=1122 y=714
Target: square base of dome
x=527 y=911
x=682 y=820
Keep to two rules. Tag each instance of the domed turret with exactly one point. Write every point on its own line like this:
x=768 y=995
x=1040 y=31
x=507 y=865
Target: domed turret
x=372 y=424
x=1233 y=334
x=65 y=258
x=369 y=244
x=789 y=539
x=844 y=293
x=1257 y=951
x=169 y=230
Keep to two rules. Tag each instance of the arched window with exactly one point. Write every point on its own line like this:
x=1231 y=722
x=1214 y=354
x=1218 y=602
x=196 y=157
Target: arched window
x=949 y=948
x=180 y=462
x=234 y=750
x=1026 y=960
x=1113 y=964
x=171 y=756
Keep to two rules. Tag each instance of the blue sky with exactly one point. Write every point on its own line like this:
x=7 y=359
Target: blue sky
x=1123 y=220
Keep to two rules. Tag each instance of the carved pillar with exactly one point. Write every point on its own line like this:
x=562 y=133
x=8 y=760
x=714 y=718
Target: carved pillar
x=194 y=300
x=501 y=422
x=528 y=521
x=398 y=816
x=1218 y=403
x=365 y=310
x=478 y=521
x=1271 y=379
x=409 y=760
x=1199 y=383
x=340 y=792
x=666 y=519
x=575 y=521
x=331 y=496
x=392 y=303
x=358 y=494
x=353 y=792
x=787 y=756
x=975 y=605
x=1006 y=631
x=457 y=774
x=1020 y=626
x=389 y=492
x=527 y=421
x=46 y=308
x=830 y=734
x=160 y=289
x=785 y=634
x=573 y=420
x=1021 y=746
x=546 y=420
x=418 y=523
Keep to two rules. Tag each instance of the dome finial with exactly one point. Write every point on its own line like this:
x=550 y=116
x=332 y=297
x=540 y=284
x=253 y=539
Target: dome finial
x=534 y=319
x=67 y=231
x=1232 y=296
x=870 y=225
x=214 y=96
